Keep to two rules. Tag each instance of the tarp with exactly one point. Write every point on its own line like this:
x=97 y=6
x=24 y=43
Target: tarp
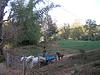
x=50 y=58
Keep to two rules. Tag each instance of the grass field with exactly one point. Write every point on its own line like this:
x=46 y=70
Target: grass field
x=72 y=44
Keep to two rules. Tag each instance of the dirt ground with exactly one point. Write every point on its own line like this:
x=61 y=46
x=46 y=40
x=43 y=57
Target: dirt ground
x=8 y=71
x=71 y=64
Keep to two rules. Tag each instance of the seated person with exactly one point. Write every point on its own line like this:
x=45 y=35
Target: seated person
x=48 y=57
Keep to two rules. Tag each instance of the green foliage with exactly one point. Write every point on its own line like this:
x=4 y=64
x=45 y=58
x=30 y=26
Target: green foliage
x=65 y=32
x=90 y=29
x=52 y=29
x=76 y=33
x=49 y=28
x=91 y=23
x=1 y=58
x=3 y=4
x=26 y=21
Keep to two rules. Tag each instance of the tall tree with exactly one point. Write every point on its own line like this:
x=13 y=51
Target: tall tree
x=27 y=19
x=49 y=28
x=3 y=4
x=52 y=29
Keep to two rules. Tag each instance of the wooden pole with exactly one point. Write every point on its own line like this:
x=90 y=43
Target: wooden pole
x=49 y=69
x=8 y=62
x=38 y=62
x=24 y=67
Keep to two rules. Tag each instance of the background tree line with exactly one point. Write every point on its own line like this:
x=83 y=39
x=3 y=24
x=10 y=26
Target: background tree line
x=89 y=31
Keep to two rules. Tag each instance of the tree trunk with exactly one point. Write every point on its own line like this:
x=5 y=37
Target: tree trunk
x=3 y=4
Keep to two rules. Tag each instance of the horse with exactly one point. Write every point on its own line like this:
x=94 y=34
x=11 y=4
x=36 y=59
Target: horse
x=60 y=56
x=31 y=60
x=23 y=58
x=26 y=58
x=36 y=60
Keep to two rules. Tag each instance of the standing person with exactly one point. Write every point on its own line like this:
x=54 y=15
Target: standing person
x=44 y=52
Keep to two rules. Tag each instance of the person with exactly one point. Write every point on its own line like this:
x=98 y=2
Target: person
x=44 y=52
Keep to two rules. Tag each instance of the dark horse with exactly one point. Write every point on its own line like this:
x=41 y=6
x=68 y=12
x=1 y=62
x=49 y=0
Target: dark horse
x=60 y=56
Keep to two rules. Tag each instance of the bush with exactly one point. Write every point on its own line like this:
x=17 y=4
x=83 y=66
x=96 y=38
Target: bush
x=25 y=42
x=1 y=58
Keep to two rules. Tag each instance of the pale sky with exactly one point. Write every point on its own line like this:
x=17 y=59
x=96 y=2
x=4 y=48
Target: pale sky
x=75 y=9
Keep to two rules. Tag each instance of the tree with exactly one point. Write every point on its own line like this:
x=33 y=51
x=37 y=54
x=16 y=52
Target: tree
x=27 y=19
x=97 y=32
x=90 y=28
x=47 y=26
x=3 y=4
x=65 y=32
x=52 y=29
x=49 y=29
x=76 y=33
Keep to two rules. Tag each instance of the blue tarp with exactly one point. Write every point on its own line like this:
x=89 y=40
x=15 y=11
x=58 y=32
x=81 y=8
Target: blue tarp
x=49 y=58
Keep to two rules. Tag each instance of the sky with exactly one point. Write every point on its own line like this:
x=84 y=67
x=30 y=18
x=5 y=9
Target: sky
x=72 y=10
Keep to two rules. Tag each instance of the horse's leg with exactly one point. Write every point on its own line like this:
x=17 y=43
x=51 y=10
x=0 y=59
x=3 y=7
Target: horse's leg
x=58 y=57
